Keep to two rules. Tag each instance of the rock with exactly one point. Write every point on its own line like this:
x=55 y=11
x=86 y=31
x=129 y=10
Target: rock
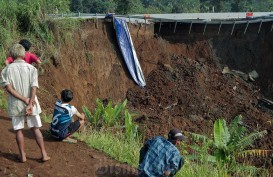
x=195 y=117
x=253 y=75
x=226 y=70
x=168 y=67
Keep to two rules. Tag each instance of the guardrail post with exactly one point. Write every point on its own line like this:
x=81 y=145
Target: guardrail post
x=219 y=28
x=175 y=27
x=233 y=28
x=190 y=28
x=246 y=27
x=205 y=27
x=160 y=25
x=97 y=21
x=260 y=26
x=145 y=23
x=79 y=14
x=62 y=15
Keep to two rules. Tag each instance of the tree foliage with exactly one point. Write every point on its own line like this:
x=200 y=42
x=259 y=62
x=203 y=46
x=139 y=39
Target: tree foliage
x=129 y=6
x=170 y=6
x=185 y=6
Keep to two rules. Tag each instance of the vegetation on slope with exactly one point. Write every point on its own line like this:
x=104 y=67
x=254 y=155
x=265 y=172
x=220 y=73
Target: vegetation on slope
x=216 y=156
x=27 y=19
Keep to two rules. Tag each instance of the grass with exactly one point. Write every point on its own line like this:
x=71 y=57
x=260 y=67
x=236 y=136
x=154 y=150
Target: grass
x=114 y=145
x=120 y=148
x=114 y=141
x=127 y=151
x=46 y=118
x=191 y=169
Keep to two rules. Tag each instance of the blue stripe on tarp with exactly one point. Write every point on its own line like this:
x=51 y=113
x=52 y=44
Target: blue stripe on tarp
x=128 y=51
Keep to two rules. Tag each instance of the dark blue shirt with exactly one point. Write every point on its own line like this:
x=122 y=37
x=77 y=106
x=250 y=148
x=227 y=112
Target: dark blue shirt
x=62 y=118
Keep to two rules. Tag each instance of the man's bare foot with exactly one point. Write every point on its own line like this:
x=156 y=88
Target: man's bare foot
x=69 y=140
x=22 y=158
x=44 y=159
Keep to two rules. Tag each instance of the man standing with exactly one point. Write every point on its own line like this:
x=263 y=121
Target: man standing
x=160 y=157
x=20 y=79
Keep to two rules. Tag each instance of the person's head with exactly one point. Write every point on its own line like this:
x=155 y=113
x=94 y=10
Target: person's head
x=175 y=136
x=25 y=43
x=66 y=95
x=17 y=51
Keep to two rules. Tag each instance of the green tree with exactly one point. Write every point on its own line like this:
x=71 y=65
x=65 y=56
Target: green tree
x=241 y=5
x=215 y=5
x=129 y=6
x=76 y=6
x=262 y=6
x=185 y=6
x=98 y=6
x=218 y=5
x=162 y=6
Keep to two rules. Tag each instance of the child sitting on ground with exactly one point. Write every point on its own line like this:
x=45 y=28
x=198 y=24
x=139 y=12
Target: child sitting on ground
x=62 y=126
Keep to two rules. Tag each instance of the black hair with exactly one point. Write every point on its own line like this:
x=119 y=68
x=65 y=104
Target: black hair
x=171 y=138
x=25 y=43
x=66 y=95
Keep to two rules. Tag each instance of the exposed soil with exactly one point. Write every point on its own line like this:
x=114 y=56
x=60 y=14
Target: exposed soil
x=185 y=85
x=66 y=159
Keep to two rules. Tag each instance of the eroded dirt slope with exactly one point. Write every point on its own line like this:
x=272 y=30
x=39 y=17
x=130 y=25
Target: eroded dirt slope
x=185 y=85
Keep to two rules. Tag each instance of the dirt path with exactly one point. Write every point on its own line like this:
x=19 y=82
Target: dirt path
x=75 y=160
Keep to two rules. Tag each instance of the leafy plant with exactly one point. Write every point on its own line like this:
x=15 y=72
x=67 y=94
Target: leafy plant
x=229 y=143
x=94 y=118
x=107 y=115
x=88 y=114
x=131 y=128
x=111 y=115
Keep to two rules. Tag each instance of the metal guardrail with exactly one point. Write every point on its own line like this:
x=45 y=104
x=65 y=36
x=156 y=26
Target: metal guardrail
x=201 y=18
x=180 y=16
x=190 y=18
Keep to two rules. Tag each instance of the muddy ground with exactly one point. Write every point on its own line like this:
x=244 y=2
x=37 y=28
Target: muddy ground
x=185 y=84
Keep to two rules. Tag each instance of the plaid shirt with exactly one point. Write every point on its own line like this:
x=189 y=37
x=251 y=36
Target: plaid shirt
x=157 y=156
